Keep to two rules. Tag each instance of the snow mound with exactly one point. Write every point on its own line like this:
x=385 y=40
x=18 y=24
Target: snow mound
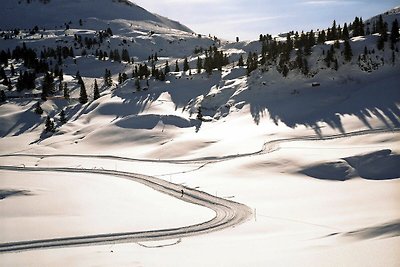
x=378 y=165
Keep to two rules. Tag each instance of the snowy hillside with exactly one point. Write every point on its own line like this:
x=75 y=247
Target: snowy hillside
x=283 y=151
x=96 y=15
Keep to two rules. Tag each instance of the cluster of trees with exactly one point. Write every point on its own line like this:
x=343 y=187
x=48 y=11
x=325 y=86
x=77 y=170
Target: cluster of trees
x=26 y=80
x=382 y=28
x=214 y=59
x=60 y=53
x=50 y=125
x=114 y=55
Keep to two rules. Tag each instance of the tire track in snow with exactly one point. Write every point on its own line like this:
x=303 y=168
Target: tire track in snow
x=228 y=214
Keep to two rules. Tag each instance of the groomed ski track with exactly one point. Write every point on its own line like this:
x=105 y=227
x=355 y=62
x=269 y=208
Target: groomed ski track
x=228 y=214
x=267 y=147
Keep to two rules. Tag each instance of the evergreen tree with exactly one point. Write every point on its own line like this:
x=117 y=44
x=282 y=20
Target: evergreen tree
x=176 y=66
x=167 y=68
x=83 y=98
x=321 y=37
x=285 y=70
x=66 y=93
x=96 y=93
x=305 y=67
x=3 y=96
x=185 y=65
x=241 y=62
x=47 y=85
x=208 y=65
x=393 y=58
x=125 y=55
x=38 y=109
x=381 y=43
x=199 y=64
x=107 y=78
x=60 y=86
x=49 y=125
x=336 y=64
x=348 y=53
x=345 y=33
x=329 y=57
x=13 y=69
x=394 y=35
x=358 y=27
x=117 y=57
x=334 y=34
x=63 y=119
x=137 y=84
x=119 y=78
x=162 y=76
x=384 y=32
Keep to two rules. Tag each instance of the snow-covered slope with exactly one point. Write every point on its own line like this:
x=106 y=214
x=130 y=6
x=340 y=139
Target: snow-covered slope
x=315 y=155
x=51 y=13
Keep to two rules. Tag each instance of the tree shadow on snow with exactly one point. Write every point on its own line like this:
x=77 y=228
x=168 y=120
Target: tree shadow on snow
x=312 y=106
x=5 y=193
x=391 y=229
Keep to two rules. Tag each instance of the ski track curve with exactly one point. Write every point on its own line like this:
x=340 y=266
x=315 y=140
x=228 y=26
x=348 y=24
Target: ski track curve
x=228 y=214
x=267 y=147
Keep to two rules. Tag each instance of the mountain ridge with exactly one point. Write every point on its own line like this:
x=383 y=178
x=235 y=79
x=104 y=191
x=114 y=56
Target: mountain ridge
x=42 y=14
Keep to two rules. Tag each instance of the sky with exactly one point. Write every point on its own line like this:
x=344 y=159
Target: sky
x=248 y=18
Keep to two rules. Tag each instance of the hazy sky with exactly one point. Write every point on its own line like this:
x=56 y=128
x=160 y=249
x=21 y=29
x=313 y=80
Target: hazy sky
x=248 y=18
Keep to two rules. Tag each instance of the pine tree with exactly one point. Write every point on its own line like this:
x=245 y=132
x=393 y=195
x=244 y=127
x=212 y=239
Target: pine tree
x=12 y=70
x=117 y=57
x=125 y=55
x=107 y=78
x=60 y=86
x=393 y=58
x=345 y=32
x=185 y=65
x=285 y=70
x=162 y=76
x=305 y=67
x=3 y=96
x=62 y=117
x=83 y=98
x=47 y=85
x=208 y=65
x=348 y=53
x=394 y=35
x=167 y=68
x=38 y=109
x=66 y=93
x=49 y=125
x=96 y=93
x=137 y=84
x=199 y=64
x=241 y=62
x=381 y=43
x=321 y=37
x=176 y=66
x=334 y=33
x=336 y=64
x=119 y=78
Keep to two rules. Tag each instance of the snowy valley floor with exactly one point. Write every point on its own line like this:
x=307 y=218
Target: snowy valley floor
x=345 y=211
x=322 y=180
